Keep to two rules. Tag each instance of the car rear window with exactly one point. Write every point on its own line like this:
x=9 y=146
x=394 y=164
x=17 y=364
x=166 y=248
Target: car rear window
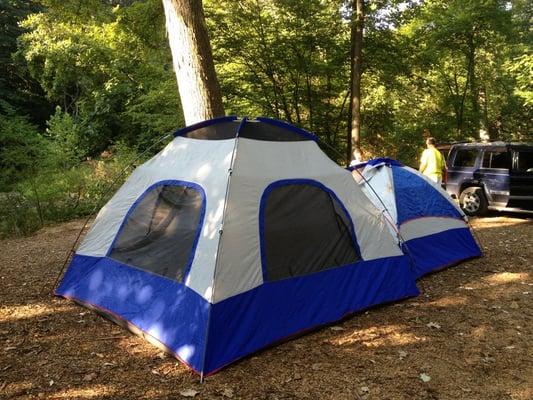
x=465 y=158
x=496 y=159
x=525 y=161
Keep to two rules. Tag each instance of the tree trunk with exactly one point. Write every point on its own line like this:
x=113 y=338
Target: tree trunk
x=198 y=85
x=355 y=98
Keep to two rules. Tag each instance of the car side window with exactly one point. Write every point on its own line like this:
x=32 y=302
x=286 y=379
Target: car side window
x=525 y=161
x=465 y=158
x=496 y=159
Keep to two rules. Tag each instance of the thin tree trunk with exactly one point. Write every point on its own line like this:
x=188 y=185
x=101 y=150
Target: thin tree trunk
x=355 y=98
x=198 y=85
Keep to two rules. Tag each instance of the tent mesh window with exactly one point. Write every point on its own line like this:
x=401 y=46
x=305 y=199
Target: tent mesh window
x=305 y=230
x=160 y=233
x=220 y=131
x=251 y=130
x=271 y=133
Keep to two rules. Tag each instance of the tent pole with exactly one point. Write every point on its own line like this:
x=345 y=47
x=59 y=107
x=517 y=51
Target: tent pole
x=220 y=232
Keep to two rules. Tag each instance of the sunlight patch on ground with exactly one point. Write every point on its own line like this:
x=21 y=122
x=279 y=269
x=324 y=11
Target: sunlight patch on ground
x=507 y=277
x=448 y=301
x=93 y=392
x=377 y=336
x=497 y=222
x=524 y=394
x=479 y=332
x=499 y=278
x=27 y=311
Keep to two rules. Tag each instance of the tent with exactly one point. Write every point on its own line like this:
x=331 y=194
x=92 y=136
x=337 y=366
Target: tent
x=238 y=234
x=427 y=223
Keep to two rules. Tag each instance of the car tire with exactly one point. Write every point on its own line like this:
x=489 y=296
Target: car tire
x=473 y=201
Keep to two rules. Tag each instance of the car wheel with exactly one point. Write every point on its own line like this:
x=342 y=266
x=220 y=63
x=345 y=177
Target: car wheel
x=473 y=201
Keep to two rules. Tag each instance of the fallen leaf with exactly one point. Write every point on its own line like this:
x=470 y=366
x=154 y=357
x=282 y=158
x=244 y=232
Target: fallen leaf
x=425 y=377
x=90 y=377
x=365 y=389
x=337 y=328
x=189 y=393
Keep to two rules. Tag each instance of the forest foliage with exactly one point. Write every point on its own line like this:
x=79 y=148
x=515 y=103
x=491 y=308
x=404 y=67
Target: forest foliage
x=87 y=86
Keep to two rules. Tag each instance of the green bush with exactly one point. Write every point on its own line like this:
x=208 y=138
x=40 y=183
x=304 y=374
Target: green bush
x=57 y=194
x=17 y=216
x=22 y=148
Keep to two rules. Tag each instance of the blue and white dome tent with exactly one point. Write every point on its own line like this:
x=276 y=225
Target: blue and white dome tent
x=427 y=223
x=238 y=234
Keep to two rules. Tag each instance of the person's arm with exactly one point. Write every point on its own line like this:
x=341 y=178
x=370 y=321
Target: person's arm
x=423 y=162
x=444 y=167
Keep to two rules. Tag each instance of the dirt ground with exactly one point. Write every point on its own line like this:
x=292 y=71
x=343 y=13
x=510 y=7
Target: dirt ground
x=469 y=335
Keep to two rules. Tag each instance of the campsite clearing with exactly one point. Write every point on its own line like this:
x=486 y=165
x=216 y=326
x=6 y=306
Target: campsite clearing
x=469 y=335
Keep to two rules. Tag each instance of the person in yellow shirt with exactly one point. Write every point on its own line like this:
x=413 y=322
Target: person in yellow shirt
x=432 y=163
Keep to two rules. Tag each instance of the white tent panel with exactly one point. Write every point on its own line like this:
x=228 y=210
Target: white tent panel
x=418 y=228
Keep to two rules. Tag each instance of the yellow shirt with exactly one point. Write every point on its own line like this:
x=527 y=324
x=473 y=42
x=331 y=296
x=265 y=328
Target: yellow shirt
x=432 y=163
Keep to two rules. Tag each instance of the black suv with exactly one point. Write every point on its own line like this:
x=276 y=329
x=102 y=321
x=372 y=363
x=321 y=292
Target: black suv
x=491 y=176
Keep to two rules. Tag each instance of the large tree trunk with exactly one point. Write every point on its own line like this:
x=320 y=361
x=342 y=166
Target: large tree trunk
x=355 y=98
x=198 y=85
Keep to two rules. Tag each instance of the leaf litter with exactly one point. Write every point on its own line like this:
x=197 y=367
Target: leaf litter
x=485 y=306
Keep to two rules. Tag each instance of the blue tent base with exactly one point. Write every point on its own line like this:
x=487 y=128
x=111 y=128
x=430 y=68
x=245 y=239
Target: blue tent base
x=207 y=336
x=435 y=252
